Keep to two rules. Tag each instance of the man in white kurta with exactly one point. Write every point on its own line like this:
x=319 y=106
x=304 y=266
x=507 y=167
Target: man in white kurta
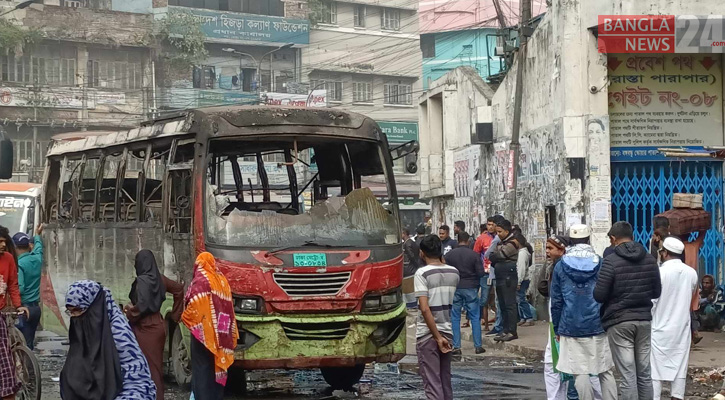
x=671 y=320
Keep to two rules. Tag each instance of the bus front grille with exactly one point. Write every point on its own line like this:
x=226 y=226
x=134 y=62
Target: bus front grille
x=327 y=284
x=316 y=331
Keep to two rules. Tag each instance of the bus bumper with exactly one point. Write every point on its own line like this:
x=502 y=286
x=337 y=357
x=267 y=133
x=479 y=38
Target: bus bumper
x=311 y=341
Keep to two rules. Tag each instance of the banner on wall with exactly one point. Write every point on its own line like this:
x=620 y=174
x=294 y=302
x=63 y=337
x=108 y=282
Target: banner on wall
x=465 y=163
x=663 y=100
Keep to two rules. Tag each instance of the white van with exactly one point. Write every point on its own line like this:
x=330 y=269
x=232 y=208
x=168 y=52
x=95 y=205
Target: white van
x=18 y=206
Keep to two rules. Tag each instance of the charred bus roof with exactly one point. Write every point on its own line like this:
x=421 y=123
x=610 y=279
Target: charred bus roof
x=230 y=121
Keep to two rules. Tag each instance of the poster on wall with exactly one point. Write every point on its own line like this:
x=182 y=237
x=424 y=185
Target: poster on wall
x=465 y=168
x=661 y=100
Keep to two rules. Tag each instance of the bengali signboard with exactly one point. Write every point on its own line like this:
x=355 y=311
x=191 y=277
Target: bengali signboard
x=249 y=27
x=318 y=98
x=44 y=98
x=662 y=101
x=399 y=132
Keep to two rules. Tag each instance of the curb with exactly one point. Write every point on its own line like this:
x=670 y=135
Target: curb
x=536 y=354
x=511 y=347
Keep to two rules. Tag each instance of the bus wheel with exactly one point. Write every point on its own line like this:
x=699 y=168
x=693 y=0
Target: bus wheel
x=180 y=358
x=343 y=378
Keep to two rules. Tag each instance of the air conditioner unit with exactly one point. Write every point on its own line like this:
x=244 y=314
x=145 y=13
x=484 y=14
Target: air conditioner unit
x=483 y=133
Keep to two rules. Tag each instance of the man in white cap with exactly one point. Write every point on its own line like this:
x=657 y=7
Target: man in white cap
x=671 y=320
x=583 y=346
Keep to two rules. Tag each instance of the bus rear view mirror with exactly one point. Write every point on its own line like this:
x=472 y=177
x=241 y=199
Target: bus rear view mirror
x=6 y=159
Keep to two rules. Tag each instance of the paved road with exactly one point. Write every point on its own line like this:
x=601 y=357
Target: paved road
x=492 y=376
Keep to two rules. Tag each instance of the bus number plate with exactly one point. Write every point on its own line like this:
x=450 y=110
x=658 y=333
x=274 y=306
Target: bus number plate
x=310 y=260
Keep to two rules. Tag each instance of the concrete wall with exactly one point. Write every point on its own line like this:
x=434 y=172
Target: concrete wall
x=449 y=111
x=344 y=48
x=132 y=6
x=345 y=53
x=562 y=64
x=90 y=26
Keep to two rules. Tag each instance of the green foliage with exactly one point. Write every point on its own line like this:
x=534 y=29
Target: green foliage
x=181 y=40
x=13 y=37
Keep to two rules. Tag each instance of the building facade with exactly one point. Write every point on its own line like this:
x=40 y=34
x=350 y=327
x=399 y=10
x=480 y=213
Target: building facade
x=253 y=47
x=591 y=126
x=446 y=51
x=366 y=55
x=92 y=75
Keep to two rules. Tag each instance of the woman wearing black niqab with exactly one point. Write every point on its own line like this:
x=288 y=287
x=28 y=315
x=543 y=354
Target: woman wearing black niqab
x=148 y=293
x=92 y=369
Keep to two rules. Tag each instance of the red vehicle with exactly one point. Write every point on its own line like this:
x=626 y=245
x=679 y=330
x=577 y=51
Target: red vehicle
x=277 y=195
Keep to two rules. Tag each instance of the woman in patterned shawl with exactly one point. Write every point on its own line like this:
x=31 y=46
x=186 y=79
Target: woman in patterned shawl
x=209 y=315
x=136 y=376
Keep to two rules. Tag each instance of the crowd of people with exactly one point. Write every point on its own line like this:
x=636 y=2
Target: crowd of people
x=116 y=352
x=629 y=309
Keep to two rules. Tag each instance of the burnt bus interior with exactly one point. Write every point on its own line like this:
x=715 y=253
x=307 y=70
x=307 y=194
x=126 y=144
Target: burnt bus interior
x=255 y=192
x=142 y=182
x=340 y=166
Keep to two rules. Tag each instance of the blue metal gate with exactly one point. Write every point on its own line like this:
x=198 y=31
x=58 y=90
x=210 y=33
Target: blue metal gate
x=644 y=189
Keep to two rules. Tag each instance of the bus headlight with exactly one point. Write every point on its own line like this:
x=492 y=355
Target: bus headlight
x=385 y=302
x=247 y=305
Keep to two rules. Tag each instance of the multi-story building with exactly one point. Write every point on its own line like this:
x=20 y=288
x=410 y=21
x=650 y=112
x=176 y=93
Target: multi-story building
x=366 y=54
x=253 y=47
x=84 y=66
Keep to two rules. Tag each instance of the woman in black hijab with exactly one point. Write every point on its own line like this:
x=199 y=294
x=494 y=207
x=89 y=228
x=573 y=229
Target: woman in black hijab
x=144 y=313
x=92 y=369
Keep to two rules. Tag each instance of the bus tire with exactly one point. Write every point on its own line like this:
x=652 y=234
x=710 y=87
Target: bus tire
x=343 y=378
x=180 y=358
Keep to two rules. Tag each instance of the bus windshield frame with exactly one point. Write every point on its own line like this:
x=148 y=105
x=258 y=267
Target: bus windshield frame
x=270 y=213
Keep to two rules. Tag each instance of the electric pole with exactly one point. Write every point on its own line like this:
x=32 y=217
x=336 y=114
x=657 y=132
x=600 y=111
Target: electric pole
x=518 y=98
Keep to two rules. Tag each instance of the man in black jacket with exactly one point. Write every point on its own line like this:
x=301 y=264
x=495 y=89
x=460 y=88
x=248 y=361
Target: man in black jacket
x=628 y=281
x=504 y=259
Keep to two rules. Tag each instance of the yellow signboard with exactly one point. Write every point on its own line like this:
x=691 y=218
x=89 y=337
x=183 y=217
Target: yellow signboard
x=665 y=100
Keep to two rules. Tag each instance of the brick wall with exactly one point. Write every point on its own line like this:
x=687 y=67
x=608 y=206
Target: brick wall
x=92 y=26
x=295 y=9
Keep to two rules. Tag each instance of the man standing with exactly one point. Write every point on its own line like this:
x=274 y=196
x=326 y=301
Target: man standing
x=470 y=270
x=30 y=264
x=419 y=234
x=482 y=244
x=9 y=297
x=435 y=288
x=628 y=282
x=584 y=349
x=458 y=227
x=491 y=226
x=671 y=320
x=411 y=257
x=448 y=243
x=523 y=265
x=556 y=387
x=504 y=259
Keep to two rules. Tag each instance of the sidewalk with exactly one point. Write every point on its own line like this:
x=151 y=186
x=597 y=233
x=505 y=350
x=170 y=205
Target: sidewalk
x=531 y=343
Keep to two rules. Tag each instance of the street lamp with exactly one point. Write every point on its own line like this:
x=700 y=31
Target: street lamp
x=239 y=53
x=19 y=6
x=259 y=63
